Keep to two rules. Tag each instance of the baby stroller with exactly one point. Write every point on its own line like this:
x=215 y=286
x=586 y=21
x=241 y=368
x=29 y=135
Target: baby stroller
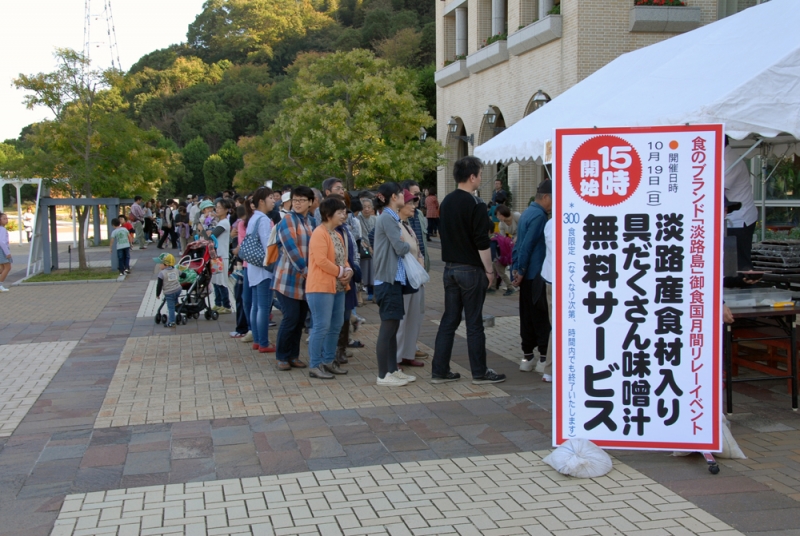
x=195 y=278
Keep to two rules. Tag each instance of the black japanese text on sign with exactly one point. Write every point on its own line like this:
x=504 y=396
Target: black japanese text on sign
x=637 y=292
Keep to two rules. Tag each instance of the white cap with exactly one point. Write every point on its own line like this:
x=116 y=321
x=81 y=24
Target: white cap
x=286 y=197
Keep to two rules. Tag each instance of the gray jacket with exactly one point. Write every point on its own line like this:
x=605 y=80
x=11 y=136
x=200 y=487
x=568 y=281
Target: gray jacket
x=388 y=248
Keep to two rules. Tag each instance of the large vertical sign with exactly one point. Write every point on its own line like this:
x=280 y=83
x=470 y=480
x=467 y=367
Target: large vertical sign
x=638 y=287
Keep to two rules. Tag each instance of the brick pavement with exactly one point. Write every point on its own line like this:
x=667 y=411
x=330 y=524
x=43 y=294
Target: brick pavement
x=492 y=495
x=25 y=371
x=55 y=450
x=51 y=303
x=173 y=378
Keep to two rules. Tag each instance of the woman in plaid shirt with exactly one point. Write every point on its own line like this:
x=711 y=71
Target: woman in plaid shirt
x=294 y=233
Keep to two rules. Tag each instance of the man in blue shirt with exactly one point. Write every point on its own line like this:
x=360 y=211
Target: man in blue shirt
x=526 y=263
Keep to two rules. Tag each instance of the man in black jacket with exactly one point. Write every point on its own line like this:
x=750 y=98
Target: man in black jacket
x=464 y=229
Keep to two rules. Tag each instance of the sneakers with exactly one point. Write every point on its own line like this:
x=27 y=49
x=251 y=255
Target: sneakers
x=449 y=377
x=527 y=365
x=489 y=377
x=121 y=274
x=127 y=271
x=3 y=289
x=248 y=337
x=420 y=354
x=223 y=310
x=509 y=292
x=236 y=335
x=170 y=325
x=546 y=378
x=333 y=367
x=357 y=322
x=403 y=376
x=392 y=380
x=271 y=323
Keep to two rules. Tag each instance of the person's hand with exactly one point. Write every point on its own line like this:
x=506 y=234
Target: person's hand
x=727 y=315
x=517 y=281
x=490 y=277
x=234 y=232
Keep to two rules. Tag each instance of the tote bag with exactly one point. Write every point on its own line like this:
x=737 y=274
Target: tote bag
x=252 y=250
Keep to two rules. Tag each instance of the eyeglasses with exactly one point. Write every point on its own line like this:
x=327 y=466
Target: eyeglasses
x=337 y=188
x=299 y=200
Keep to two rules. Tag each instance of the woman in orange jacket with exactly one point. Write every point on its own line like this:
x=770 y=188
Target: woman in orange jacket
x=328 y=278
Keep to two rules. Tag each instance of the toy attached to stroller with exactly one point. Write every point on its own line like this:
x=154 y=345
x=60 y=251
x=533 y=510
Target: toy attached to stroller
x=195 y=278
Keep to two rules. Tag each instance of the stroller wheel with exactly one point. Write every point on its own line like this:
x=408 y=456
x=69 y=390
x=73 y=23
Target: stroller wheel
x=208 y=314
x=196 y=316
x=163 y=319
x=158 y=319
x=214 y=315
x=182 y=319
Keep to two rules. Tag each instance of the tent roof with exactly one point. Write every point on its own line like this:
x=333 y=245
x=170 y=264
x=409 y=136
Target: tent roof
x=742 y=71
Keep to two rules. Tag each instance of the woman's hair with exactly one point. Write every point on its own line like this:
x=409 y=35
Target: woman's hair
x=248 y=209
x=259 y=195
x=385 y=193
x=241 y=212
x=226 y=204
x=330 y=206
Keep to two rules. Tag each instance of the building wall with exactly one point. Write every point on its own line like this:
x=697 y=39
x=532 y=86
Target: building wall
x=594 y=32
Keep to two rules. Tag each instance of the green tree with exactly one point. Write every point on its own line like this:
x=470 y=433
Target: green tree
x=232 y=156
x=216 y=174
x=206 y=120
x=194 y=155
x=249 y=30
x=352 y=116
x=91 y=147
x=402 y=49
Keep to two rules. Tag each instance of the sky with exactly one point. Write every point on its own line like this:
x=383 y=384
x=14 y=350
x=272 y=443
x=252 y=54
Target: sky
x=32 y=29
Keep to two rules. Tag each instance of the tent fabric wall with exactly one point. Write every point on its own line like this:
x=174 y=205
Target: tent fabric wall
x=742 y=71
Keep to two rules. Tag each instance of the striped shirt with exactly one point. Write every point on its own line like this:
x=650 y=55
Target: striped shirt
x=294 y=234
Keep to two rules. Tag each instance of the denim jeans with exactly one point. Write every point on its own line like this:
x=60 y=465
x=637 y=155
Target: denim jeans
x=247 y=300
x=464 y=290
x=291 y=329
x=124 y=259
x=259 y=312
x=222 y=296
x=241 y=315
x=327 y=313
x=172 y=301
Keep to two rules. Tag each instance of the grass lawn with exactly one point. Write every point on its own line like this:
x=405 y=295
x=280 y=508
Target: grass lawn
x=74 y=275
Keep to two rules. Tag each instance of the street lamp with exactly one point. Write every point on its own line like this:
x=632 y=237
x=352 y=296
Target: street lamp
x=540 y=99
x=452 y=125
x=490 y=115
x=423 y=134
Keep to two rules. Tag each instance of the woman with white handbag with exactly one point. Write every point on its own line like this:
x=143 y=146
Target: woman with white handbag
x=413 y=297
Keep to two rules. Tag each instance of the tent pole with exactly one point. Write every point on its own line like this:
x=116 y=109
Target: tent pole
x=747 y=152
x=763 y=197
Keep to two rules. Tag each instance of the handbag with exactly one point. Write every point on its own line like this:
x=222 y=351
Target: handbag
x=415 y=273
x=252 y=250
x=271 y=258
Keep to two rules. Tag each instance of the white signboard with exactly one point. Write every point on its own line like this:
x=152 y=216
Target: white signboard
x=637 y=321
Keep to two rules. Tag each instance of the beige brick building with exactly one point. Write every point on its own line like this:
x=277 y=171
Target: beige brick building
x=482 y=89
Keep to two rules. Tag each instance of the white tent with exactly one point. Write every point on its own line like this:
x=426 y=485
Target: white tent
x=743 y=71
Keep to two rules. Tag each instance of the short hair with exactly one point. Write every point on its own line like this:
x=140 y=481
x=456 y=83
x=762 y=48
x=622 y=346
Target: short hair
x=541 y=196
x=317 y=194
x=499 y=180
x=355 y=205
x=464 y=168
x=123 y=217
x=500 y=198
x=303 y=191
x=137 y=198
x=287 y=188
x=330 y=206
x=329 y=183
x=408 y=183
x=226 y=204
x=114 y=222
x=504 y=211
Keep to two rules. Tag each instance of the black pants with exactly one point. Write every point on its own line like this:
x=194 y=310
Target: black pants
x=173 y=236
x=744 y=245
x=534 y=323
x=291 y=329
x=464 y=290
x=433 y=226
x=390 y=301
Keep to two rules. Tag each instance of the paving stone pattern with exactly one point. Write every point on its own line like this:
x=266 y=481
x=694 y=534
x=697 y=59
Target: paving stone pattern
x=491 y=495
x=150 y=303
x=25 y=371
x=50 y=303
x=172 y=378
x=56 y=450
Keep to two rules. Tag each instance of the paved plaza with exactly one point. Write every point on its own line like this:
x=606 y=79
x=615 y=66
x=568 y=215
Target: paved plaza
x=111 y=424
